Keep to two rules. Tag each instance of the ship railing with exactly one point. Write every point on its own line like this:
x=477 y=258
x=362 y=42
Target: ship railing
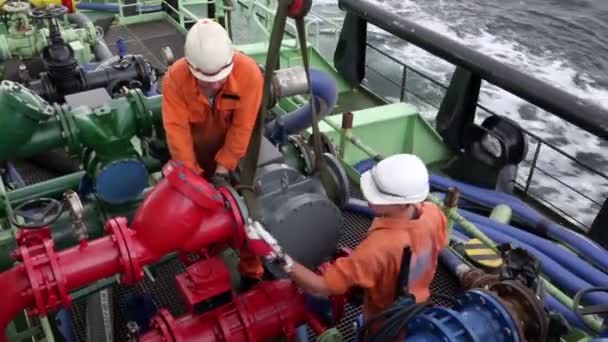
x=400 y=79
x=587 y=116
x=531 y=169
x=263 y=12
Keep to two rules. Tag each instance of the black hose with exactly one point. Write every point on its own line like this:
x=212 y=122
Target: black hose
x=395 y=319
x=598 y=309
x=393 y=327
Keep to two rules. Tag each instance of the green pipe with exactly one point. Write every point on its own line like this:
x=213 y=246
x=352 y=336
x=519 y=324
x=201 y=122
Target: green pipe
x=4 y=199
x=34 y=126
x=466 y=225
x=46 y=189
x=47 y=136
x=98 y=285
x=25 y=335
x=61 y=232
x=46 y=328
x=354 y=140
x=153 y=104
x=94 y=216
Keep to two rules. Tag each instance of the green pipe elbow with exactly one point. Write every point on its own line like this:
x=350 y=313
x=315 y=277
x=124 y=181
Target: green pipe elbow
x=22 y=111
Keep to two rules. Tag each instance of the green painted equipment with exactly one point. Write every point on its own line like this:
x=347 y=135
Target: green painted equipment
x=40 y=127
x=24 y=38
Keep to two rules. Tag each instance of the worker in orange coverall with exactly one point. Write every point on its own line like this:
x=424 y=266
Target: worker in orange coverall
x=211 y=99
x=395 y=189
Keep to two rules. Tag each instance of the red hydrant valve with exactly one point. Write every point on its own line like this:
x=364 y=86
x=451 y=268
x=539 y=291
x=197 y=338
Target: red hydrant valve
x=205 y=285
x=37 y=252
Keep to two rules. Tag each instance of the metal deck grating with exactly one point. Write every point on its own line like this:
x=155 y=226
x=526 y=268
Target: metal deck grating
x=31 y=173
x=167 y=296
x=147 y=39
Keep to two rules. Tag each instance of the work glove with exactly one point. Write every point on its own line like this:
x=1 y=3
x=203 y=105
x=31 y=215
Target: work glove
x=263 y=244
x=220 y=180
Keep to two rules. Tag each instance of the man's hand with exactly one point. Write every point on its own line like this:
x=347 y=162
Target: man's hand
x=263 y=244
x=221 y=176
x=220 y=170
x=220 y=180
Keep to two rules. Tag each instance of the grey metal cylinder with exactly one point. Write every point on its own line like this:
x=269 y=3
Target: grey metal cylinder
x=299 y=214
x=289 y=82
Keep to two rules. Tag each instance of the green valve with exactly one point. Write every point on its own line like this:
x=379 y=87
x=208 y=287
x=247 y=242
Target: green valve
x=22 y=112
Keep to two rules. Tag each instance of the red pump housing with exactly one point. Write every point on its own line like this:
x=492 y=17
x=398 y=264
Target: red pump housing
x=270 y=309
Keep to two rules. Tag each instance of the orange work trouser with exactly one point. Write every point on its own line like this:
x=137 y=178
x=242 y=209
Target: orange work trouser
x=206 y=144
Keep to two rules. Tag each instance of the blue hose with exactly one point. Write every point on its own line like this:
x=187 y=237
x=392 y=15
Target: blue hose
x=490 y=198
x=113 y=8
x=459 y=237
x=360 y=207
x=554 y=253
x=14 y=176
x=581 y=244
x=452 y=262
x=325 y=91
x=568 y=260
x=563 y=278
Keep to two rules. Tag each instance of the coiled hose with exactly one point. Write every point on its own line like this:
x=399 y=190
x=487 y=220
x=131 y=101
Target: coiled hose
x=582 y=245
x=565 y=280
x=570 y=261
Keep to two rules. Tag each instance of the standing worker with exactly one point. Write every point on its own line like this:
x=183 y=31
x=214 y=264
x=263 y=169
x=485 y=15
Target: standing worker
x=211 y=99
x=395 y=189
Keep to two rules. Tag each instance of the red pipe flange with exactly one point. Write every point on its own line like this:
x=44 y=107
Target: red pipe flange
x=133 y=271
x=48 y=286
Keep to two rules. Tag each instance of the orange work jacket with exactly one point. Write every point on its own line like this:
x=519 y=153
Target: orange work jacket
x=374 y=265
x=201 y=135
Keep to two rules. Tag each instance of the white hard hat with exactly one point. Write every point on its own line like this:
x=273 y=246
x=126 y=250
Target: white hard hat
x=398 y=179
x=209 y=51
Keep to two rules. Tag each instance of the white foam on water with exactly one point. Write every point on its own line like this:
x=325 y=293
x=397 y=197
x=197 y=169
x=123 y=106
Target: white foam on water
x=545 y=67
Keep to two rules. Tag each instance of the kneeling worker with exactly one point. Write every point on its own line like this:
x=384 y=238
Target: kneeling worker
x=211 y=99
x=396 y=189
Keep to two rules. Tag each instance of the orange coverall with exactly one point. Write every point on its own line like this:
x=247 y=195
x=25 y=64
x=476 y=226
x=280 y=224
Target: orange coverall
x=374 y=265
x=201 y=136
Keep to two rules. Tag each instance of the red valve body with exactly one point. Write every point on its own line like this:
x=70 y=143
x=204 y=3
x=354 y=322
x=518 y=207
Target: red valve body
x=183 y=213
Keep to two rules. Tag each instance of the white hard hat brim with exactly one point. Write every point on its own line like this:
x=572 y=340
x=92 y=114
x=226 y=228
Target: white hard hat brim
x=375 y=196
x=217 y=77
